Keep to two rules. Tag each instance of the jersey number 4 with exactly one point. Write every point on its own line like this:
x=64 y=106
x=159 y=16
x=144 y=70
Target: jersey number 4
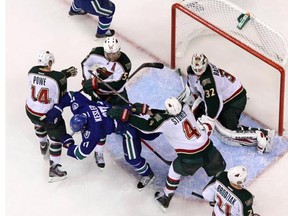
x=190 y=131
x=42 y=96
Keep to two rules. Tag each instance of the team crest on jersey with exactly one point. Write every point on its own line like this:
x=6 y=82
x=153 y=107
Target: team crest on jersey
x=75 y=106
x=205 y=81
x=86 y=134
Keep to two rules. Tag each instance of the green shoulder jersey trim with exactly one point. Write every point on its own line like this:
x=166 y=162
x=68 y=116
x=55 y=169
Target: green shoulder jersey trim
x=148 y=125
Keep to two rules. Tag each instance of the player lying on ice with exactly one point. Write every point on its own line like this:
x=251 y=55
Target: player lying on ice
x=223 y=99
x=90 y=118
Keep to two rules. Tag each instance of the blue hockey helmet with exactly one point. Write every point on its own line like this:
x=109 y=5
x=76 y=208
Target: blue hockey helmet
x=78 y=121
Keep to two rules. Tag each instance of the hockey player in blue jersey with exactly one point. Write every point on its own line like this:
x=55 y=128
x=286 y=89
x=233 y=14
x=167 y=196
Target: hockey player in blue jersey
x=104 y=9
x=91 y=119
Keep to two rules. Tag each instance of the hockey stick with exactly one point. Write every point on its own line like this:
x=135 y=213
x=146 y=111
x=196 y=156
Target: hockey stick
x=197 y=195
x=108 y=86
x=156 y=153
x=181 y=78
x=148 y=64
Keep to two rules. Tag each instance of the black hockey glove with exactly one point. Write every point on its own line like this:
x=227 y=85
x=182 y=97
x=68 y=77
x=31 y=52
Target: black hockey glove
x=67 y=140
x=53 y=115
x=70 y=72
x=90 y=85
x=140 y=108
x=119 y=113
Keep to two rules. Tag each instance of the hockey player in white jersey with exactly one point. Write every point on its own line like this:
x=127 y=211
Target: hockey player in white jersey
x=224 y=100
x=47 y=86
x=112 y=66
x=227 y=195
x=189 y=138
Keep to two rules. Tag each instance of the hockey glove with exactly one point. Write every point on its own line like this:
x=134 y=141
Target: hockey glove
x=89 y=86
x=140 y=108
x=70 y=72
x=53 y=115
x=67 y=140
x=119 y=113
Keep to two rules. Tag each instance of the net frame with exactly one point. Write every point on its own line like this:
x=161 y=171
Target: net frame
x=277 y=63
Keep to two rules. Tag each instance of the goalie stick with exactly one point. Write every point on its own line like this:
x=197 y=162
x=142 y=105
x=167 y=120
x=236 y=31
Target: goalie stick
x=156 y=153
x=148 y=64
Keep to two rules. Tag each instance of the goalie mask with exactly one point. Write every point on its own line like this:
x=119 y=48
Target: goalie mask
x=78 y=122
x=199 y=63
x=45 y=57
x=173 y=106
x=111 y=48
x=237 y=175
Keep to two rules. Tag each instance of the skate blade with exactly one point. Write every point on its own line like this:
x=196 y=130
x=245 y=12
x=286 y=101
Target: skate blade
x=163 y=209
x=140 y=189
x=56 y=179
x=270 y=143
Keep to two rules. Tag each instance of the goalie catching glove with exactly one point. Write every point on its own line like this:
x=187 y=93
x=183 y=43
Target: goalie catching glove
x=140 y=108
x=70 y=72
x=67 y=140
x=119 y=113
x=89 y=86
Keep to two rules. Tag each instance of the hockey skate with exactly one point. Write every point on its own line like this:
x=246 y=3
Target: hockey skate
x=44 y=147
x=270 y=140
x=109 y=33
x=145 y=180
x=80 y=12
x=99 y=160
x=55 y=174
x=265 y=140
x=163 y=200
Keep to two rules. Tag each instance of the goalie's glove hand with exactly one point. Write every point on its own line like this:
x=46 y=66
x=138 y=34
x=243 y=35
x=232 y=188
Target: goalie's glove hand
x=140 y=108
x=70 y=72
x=67 y=140
x=119 y=113
x=89 y=86
x=53 y=115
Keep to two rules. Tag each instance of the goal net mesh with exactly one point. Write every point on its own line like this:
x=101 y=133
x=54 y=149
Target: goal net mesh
x=194 y=18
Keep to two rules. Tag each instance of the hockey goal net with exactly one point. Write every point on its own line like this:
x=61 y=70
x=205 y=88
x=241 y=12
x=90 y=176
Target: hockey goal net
x=194 y=18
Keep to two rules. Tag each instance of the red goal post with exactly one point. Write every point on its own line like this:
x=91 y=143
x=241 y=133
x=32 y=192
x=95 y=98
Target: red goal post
x=193 y=18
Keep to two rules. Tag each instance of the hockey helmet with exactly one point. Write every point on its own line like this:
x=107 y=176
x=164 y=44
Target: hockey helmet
x=173 y=106
x=111 y=48
x=237 y=175
x=44 y=57
x=199 y=63
x=78 y=121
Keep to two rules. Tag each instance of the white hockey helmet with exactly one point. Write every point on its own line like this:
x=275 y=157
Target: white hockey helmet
x=111 y=48
x=44 y=57
x=111 y=45
x=199 y=63
x=237 y=175
x=173 y=106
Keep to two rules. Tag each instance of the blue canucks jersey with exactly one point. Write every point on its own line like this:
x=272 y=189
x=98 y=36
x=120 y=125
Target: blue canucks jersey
x=98 y=124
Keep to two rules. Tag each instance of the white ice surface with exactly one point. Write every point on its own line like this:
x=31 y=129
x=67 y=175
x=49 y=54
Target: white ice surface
x=144 y=30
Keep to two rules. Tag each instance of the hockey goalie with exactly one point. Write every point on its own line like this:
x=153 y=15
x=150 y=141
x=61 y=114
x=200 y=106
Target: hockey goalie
x=221 y=96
